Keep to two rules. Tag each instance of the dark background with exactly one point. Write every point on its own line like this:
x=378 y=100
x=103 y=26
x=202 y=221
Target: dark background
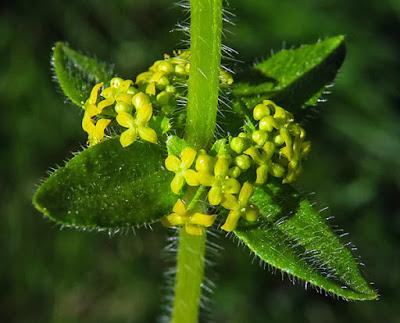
x=53 y=275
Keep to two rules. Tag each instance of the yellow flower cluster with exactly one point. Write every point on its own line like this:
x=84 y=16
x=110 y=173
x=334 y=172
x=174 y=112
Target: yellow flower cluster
x=276 y=146
x=124 y=97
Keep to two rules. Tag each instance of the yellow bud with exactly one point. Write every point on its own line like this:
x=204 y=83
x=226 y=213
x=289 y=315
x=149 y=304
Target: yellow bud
x=132 y=90
x=170 y=89
x=277 y=170
x=278 y=140
x=235 y=172
x=140 y=99
x=123 y=107
x=243 y=161
x=238 y=144
x=251 y=214
x=267 y=124
x=204 y=163
x=180 y=70
x=260 y=111
x=163 y=98
x=259 y=137
x=116 y=82
x=231 y=186
x=215 y=195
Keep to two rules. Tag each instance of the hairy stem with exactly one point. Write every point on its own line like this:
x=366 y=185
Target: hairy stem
x=205 y=61
x=205 y=47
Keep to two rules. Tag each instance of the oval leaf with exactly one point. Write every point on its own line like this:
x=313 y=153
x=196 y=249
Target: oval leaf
x=107 y=187
x=295 y=78
x=292 y=236
x=77 y=73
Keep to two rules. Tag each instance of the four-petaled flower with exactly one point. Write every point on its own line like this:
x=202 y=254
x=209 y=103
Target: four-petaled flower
x=180 y=166
x=239 y=207
x=137 y=126
x=194 y=223
x=221 y=184
x=94 y=129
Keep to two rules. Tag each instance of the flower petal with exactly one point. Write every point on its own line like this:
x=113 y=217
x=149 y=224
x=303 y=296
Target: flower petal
x=125 y=120
x=179 y=207
x=231 y=186
x=128 y=137
x=188 y=155
x=245 y=194
x=191 y=177
x=177 y=183
x=215 y=195
x=172 y=163
x=148 y=134
x=231 y=221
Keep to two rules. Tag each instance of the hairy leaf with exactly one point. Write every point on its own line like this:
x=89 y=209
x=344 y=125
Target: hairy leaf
x=292 y=236
x=295 y=78
x=76 y=73
x=107 y=186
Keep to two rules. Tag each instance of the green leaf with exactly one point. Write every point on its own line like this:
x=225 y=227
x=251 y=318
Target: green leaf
x=107 y=186
x=76 y=73
x=295 y=78
x=292 y=236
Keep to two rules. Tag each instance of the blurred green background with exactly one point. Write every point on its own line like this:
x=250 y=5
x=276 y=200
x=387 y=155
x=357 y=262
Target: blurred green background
x=53 y=275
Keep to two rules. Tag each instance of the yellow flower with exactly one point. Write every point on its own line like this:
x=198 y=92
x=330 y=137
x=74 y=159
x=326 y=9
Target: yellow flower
x=194 y=223
x=221 y=184
x=180 y=166
x=137 y=126
x=95 y=130
x=239 y=207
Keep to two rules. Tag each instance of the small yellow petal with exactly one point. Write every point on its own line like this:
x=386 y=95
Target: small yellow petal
x=90 y=109
x=101 y=125
x=124 y=97
x=148 y=134
x=176 y=219
x=231 y=221
x=191 y=177
x=125 y=120
x=245 y=193
x=144 y=113
x=221 y=166
x=204 y=220
x=109 y=93
x=231 y=186
x=94 y=93
x=151 y=88
x=103 y=104
x=128 y=137
x=179 y=207
x=124 y=86
x=215 y=195
x=262 y=174
x=194 y=229
x=172 y=163
x=87 y=124
x=230 y=202
x=177 y=183
x=188 y=155
x=206 y=179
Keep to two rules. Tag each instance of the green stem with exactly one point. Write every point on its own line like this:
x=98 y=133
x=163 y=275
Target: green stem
x=189 y=277
x=205 y=60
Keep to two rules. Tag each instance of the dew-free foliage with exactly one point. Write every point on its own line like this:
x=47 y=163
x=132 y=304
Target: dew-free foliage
x=107 y=186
